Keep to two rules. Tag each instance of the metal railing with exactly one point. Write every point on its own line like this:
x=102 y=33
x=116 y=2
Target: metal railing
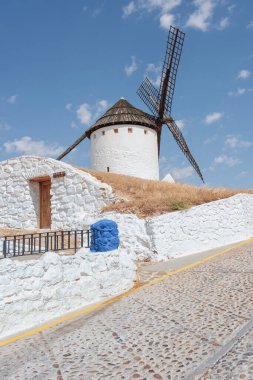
x=29 y=244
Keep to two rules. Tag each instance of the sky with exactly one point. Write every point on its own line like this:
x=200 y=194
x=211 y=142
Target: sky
x=65 y=62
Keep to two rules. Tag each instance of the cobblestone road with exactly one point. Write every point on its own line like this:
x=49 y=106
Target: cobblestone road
x=196 y=324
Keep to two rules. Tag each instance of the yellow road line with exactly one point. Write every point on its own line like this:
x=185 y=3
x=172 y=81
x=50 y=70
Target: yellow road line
x=113 y=299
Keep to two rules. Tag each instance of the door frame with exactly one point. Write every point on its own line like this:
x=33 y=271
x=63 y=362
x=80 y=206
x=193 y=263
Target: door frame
x=40 y=181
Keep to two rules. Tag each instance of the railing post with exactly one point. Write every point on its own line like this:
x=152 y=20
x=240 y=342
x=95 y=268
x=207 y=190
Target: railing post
x=82 y=238
x=75 y=241
x=23 y=248
x=39 y=242
x=68 y=239
x=62 y=240
x=5 y=247
x=47 y=242
x=31 y=247
x=55 y=239
x=14 y=246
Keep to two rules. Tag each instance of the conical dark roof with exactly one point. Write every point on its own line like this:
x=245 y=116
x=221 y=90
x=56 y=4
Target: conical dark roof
x=123 y=112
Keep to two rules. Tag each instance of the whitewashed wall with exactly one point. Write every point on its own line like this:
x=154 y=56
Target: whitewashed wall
x=181 y=233
x=201 y=228
x=133 y=236
x=35 y=291
x=74 y=198
x=133 y=154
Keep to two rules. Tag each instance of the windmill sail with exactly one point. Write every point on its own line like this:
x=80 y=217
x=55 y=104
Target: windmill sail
x=177 y=134
x=170 y=66
x=69 y=149
x=149 y=95
x=160 y=102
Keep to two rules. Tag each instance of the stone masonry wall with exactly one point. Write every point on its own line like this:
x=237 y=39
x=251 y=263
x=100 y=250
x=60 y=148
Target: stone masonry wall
x=74 y=198
x=201 y=228
x=181 y=233
x=35 y=291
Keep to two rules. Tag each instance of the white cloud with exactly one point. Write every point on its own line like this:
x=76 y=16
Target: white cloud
x=84 y=113
x=155 y=72
x=162 y=6
x=227 y=160
x=12 y=99
x=224 y=23
x=200 y=19
x=129 y=9
x=241 y=91
x=182 y=173
x=238 y=92
x=4 y=126
x=129 y=70
x=180 y=124
x=210 y=140
x=250 y=25
x=244 y=74
x=27 y=146
x=166 y=20
x=73 y=125
x=242 y=174
x=87 y=113
x=235 y=143
x=231 y=8
x=97 y=11
x=102 y=105
x=68 y=106
x=213 y=117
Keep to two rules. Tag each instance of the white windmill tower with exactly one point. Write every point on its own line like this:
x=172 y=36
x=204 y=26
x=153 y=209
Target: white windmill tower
x=126 y=140
x=123 y=141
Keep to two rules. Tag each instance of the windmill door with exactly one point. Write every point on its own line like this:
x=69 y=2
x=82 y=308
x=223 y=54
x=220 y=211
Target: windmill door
x=45 y=204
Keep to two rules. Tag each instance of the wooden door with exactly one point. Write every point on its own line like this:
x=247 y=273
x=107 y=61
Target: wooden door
x=45 y=204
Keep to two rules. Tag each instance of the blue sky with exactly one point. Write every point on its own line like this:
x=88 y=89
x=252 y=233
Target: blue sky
x=64 y=62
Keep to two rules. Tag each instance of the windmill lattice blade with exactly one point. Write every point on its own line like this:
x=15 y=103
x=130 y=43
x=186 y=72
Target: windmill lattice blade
x=170 y=66
x=177 y=134
x=149 y=95
x=69 y=149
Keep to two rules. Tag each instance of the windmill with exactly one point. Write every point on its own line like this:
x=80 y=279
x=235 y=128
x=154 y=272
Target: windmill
x=159 y=101
x=124 y=115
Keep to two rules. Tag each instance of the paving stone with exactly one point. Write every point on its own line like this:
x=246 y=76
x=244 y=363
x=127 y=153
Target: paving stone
x=169 y=330
x=237 y=364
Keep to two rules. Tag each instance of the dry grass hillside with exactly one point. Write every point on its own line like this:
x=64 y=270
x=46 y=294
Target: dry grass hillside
x=145 y=197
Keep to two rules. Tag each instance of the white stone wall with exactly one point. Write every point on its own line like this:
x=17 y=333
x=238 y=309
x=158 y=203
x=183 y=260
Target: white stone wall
x=133 y=236
x=35 y=291
x=201 y=228
x=133 y=154
x=74 y=198
x=181 y=233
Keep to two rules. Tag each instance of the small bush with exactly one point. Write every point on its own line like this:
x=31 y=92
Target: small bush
x=179 y=205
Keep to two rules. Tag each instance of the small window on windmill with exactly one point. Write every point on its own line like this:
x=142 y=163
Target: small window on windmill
x=116 y=130
x=145 y=132
x=108 y=169
x=130 y=130
x=103 y=133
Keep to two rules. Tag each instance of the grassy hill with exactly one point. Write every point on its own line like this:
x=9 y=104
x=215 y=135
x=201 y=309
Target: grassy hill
x=147 y=198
